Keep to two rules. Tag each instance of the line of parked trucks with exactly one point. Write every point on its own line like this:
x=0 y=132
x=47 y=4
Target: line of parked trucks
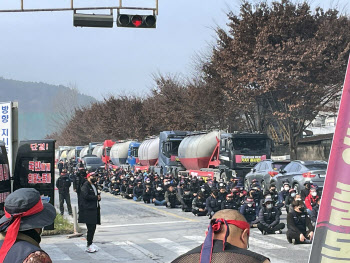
x=207 y=154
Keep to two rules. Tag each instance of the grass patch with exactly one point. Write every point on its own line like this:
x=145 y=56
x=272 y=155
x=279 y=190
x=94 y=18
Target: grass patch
x=62 y=227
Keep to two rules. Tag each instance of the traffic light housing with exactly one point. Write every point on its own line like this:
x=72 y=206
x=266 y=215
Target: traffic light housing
x=137 y=21
x=85 y=20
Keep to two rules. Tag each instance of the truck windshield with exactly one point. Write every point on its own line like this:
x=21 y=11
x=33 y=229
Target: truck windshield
x=171 y=148
x=249 y=144
x=134 y=151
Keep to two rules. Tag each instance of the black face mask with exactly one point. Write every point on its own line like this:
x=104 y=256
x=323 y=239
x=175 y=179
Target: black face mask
x=93 y=180
x=302 y=209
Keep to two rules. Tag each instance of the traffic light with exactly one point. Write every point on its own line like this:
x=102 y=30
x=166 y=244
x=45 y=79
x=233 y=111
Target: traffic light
x=137 y=21
x=85 y=20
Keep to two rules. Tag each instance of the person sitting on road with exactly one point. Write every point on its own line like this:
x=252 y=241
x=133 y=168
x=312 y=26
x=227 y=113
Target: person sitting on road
x=314 y=212
x=273 y=192
x=248 y=210
x=311 y=200
x=230 y=203
x=199 y=205
x=171 y=197
x=159 y=198
x=297 y=224
x=123 y=188
x=148 y=192
x=186 y=200
x=269 y=218
x=212 y=203
x=289 y=199
x=297 y=197
x=305 y=192
x=283 y=194
x=227 y=241
x=222 y=193
x=129 y=191
x=138 y=191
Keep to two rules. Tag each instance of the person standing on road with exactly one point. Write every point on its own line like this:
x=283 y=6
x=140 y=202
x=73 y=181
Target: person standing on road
x=63 y=183
x=78 y=182
x=269 y=218
x=60 y=166
x=227 y=241
x=20 y=228
x=90 y=210
x=297 y=222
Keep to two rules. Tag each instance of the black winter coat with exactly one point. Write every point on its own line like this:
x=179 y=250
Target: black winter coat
x=63 y=183
x=89 y=212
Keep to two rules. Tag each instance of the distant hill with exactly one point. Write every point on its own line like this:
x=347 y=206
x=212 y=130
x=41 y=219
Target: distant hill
x=40 y=104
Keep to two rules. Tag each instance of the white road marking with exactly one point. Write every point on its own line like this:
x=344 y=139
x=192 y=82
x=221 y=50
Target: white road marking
x=170 y=245
x=256 y=242
x=197 y=239
x=100 y=255
x=135 y=250
x=143 y=224
x=54 y=252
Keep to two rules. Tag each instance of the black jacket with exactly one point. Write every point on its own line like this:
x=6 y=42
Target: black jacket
x=297 y=222
x=213 y=204
x=269 y=217
x=63 y=183
x=198 y=203
x=89 y=212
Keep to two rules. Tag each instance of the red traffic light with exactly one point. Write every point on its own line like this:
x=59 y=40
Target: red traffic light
x=136 y=21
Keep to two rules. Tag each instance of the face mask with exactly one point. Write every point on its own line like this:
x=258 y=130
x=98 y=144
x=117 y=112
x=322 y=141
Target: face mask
x=313 y=193
x=131 y=179
x=159 y=188
x=297 y=199
x=93 y=180
x=286 y=188
x=269 y=206
x=203 y=190
x=293 y=194
x=250 y=205
x=187 y=193
x=301 y=209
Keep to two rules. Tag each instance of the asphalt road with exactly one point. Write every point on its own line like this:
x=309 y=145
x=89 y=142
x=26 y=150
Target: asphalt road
x=138 y=232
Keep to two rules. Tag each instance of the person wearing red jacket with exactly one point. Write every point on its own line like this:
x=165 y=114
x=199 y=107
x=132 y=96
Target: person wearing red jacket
x=311 y=200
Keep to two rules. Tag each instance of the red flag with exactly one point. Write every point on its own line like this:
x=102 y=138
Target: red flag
x=332 y=237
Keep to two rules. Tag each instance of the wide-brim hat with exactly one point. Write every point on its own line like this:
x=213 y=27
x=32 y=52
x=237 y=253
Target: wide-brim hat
x=22 y=200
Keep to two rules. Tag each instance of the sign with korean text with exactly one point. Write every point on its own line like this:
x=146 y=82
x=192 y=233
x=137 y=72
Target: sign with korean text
x=6 y=128
x=332 y=237
x=35 y=164
x=5 y=183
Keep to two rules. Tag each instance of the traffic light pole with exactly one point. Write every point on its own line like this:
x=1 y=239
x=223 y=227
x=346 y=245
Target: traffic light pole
x=72 y=8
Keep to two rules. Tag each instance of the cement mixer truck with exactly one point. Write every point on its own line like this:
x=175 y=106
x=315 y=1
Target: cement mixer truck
x=223 y=155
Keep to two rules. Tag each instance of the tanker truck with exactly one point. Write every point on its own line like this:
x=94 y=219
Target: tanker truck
x=160 y=154
x=148 y=154
x=223 y=155
x=124 y=154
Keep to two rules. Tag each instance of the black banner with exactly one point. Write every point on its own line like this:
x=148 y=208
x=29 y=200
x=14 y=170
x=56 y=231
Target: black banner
x=35 y=168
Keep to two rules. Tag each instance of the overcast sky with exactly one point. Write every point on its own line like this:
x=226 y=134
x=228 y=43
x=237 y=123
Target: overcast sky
x=46 y=47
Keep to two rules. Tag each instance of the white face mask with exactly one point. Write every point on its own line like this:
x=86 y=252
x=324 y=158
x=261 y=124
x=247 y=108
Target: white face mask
x=250 y=205
x=297 y=199
x=293 y=194
x=203 y=190
x=313 y=193
x=286 y=188
x=269 y=206
x=159 y=188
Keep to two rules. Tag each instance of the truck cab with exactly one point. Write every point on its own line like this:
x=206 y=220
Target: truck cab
x=169 y=142
x=133 y=154
x=241 y=151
